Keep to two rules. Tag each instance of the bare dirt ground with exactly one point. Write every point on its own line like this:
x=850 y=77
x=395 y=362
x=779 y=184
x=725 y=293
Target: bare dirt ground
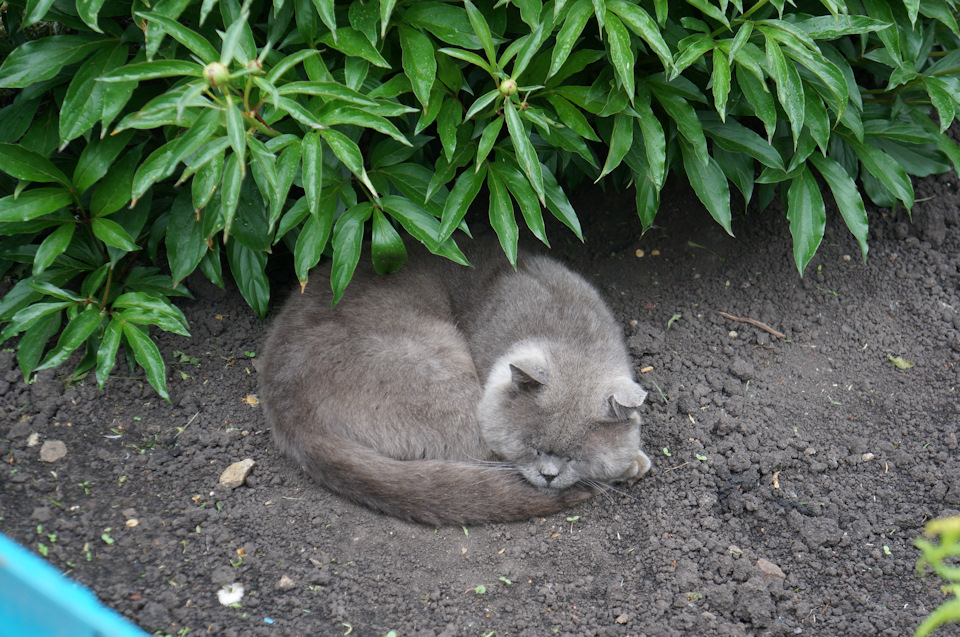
x=790 y=475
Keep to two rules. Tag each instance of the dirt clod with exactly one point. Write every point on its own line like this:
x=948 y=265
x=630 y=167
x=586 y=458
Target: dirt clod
x=53 y=451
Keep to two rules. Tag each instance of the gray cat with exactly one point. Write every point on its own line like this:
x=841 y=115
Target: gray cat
x=452 y=395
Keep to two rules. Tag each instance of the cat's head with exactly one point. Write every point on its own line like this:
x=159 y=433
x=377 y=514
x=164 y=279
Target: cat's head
x=561 y=416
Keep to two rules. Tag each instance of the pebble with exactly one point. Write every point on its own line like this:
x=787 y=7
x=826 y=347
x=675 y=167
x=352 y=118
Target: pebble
x=769 y=570
x=33 y=439
x=52 y=451
x=867 y=457
x=286 y=583
x=234 y=475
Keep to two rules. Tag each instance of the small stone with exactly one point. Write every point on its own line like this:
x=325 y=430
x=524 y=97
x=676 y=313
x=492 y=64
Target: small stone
x=33 y=439
x=810 y=451
x=732 y=334
x=286 y=583
x=867 y=457
x=769 y=570
x=132 y=522
x=623 y=619
x=52 y=451
x=234 y=475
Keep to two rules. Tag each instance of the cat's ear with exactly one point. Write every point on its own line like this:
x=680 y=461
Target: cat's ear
x=625 y=399
x=528 y=376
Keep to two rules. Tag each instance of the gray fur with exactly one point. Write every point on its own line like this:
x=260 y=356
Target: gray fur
x=449 y=395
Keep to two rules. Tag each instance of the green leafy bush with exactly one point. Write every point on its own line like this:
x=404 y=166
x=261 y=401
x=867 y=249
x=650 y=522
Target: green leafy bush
x=147 y=138
x=942 y=558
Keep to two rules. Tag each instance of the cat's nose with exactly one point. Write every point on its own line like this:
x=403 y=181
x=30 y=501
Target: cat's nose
x=549 y=473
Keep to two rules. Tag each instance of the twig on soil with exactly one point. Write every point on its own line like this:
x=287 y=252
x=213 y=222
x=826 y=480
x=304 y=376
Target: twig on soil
x=754 y=322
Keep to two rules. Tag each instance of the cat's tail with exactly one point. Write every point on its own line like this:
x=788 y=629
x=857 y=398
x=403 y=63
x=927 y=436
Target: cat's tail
x=434 y=492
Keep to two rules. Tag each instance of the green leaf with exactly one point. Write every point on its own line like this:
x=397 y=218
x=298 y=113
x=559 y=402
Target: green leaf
x=353 y=43
x=107 y=352
x=23 y=163
x=236 y=133
x=523 y=194
x=887 y=171
x=502 y=218
x=621 y=139
x=759 y=97
x=89 y=101
x=347 y=243
x=389 y=253
x=647 y=200
x=710 y=184
x=640 y=22
x=33 y=203
x=447 y=22
x=447 y=122
x=34 y=340
x=113 y=192
x=148 y=357
x=30 y=316
x=482 y=30
x=74 y=334
x=458 y=202
x=313 y=237
x=488 y=138
x=721 y=82
x=654 y=139
x=312 y=154
x=52 y=247
x=185 y=241
x=572 y=117
x=39 y=60
x=386 y=10
x=558 y=204
x=789 y=88
x=807 y=216
x=680 y=111
x=737 y=138
x=569 y=33
x=940 y=97
x=88 y=10
x=327 y=14
x=140 y=71
x=526 y=155
x=196 y=43
x=422 y=226
x=349 y=153
x=112 y=234
x=847 y=196
x=230 y=194
x=622 y=57
x=248 y=269
x=97 y=158
x=327 y=90
x=418 y=61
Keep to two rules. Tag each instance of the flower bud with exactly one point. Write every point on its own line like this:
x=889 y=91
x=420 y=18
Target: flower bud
x=508 y=87
x=216 y=74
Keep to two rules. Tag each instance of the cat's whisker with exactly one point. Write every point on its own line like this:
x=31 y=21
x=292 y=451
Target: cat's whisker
x=619 y=492
x=600 y=487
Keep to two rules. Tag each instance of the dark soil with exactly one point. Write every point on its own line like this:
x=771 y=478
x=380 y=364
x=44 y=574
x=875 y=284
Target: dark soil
x=790 y=475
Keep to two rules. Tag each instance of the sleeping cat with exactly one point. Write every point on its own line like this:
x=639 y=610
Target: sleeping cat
x=452 y=395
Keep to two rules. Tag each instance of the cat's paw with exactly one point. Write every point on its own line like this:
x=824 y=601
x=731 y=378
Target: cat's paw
x=640 y=465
